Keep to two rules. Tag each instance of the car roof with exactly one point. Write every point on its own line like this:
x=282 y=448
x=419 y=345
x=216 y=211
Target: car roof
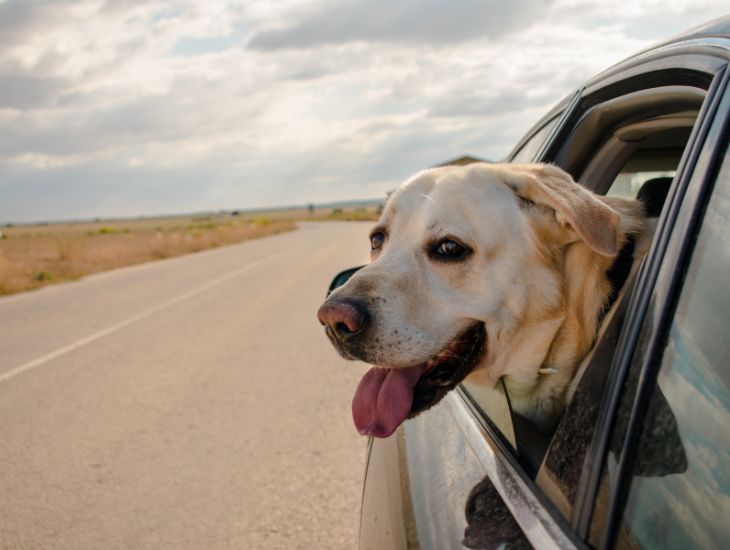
x=713 y=35
x=717 y=28
x=708 y=39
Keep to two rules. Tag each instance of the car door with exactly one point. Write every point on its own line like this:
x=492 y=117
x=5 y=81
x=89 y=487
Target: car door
x=469 y=472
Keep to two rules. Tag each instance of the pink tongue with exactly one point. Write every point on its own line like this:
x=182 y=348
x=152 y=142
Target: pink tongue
x=383 y=399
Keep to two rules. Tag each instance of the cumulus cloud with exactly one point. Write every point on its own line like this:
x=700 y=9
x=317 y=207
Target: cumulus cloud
x=233 y=104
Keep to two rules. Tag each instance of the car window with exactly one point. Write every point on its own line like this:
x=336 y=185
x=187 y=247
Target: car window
x=648 y=171
x=628 y=184
x=680 y=492
x=642 y=168
x=527 y=152
x=633 y=157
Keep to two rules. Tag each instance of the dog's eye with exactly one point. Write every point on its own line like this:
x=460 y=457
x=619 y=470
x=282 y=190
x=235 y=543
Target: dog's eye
x=376 y=240
x=449 y=249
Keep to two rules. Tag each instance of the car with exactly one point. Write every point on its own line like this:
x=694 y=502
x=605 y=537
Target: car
x=641 y=455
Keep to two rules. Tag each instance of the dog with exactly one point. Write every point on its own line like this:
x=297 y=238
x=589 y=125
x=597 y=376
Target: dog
x=486 y=271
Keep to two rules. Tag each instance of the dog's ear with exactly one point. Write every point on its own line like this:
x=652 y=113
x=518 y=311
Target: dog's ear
x=593 y=221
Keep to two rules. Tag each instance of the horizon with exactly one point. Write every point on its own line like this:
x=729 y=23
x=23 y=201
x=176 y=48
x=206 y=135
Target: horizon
x=198 y=213
x=217 y=211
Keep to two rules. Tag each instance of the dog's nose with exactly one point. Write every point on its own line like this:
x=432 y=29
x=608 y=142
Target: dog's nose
x=343 y=317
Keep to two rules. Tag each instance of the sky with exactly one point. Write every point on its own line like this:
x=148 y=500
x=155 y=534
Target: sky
x=141 y=107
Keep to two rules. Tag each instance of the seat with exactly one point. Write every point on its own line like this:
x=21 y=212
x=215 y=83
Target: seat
x=653 y=193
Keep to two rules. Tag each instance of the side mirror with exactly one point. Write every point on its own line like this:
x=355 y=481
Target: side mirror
x=342 y=277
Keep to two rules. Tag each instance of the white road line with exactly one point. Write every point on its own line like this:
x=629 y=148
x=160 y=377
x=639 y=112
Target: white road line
x=109 y=330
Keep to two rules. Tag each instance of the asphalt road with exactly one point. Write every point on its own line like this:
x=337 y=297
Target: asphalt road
x=187 y=403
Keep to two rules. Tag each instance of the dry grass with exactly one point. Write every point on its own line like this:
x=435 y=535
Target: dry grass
x=35 y=256
x=32 y=256
x=345 y=214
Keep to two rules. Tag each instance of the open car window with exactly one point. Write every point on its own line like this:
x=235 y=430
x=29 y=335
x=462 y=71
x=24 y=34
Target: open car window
x=631 y=157
x=637 y=160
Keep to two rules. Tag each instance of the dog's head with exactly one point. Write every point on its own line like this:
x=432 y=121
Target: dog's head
x=462 y=257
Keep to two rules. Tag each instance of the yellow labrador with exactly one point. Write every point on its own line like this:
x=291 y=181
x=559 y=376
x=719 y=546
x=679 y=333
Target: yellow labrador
x=486 y=271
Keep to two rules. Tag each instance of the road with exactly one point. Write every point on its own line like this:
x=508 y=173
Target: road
x=187 y=403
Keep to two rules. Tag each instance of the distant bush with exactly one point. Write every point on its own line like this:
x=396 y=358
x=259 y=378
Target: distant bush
x=108 y=231
x=43 y=276
x=197 y=227
x=261 y=220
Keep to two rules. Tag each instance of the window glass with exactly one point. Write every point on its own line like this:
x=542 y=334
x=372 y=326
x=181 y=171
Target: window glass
x=528 y=151
x=680 y=493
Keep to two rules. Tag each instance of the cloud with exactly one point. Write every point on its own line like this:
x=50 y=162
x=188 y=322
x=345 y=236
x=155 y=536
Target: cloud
x=20 y=90
x=18 y=19
x=239 y=103
x=472 y=105
x=429 y=22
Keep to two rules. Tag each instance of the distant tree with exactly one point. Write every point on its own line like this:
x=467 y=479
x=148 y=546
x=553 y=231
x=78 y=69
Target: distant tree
x=310 y=208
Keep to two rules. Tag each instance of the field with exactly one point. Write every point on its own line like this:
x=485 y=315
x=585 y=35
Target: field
x=32 y=256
